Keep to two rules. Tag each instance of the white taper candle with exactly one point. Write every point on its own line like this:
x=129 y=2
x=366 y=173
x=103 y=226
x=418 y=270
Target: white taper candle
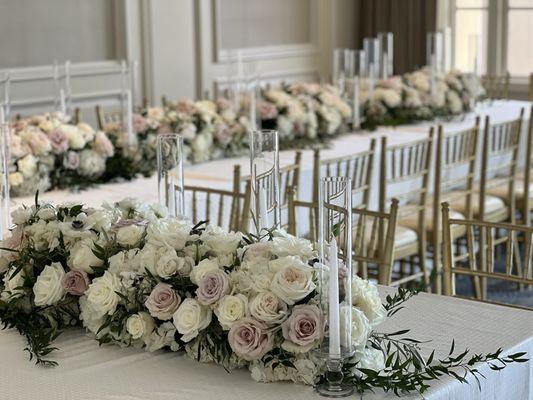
x=334 y=312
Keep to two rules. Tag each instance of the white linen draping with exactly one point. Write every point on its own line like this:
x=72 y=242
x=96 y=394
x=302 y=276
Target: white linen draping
x=89 y=372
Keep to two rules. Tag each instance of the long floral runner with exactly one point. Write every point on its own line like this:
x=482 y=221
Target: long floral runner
x=48 y=152
x=132 y=276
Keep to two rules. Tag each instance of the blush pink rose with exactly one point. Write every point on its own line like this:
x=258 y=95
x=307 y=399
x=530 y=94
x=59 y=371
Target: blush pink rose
x=267 y=110
x=164 y=128
x=249 y=339
x=139 y=123
x=304 y=327
x=223 y=134
x=59 y=141
x=102 y=145
x=75 y=282
x=72 y=160
x=213 y=286
x=163 y=301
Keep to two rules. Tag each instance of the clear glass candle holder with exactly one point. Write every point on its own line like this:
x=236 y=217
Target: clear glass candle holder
x=170 y=173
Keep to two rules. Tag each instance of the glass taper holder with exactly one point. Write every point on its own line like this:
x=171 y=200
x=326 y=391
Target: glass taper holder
x=4 y=179
x=386 y=47
x=334 y=282
x=265 y=179
x=170 y=173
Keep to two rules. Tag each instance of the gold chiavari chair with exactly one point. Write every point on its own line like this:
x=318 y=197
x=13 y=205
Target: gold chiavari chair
x=108 y=120
x=289 y=180
x=496 y=86
x=466 y=263
x=499 y=163
x=226 y=208
x=454 y=177
x=358 y=166
x=164 y=101
x=373 y=248
x=76 y=118
x=404 y=174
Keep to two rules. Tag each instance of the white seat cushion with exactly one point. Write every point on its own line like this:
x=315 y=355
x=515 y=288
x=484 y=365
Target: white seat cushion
x=403 y=235
x=493 y=204
x=501 y=190
x=410 y=220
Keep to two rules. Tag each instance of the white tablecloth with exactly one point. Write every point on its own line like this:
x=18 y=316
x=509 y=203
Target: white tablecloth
x=89 y=372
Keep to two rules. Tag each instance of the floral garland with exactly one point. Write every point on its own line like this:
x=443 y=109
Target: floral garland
x=134 y=277
x=48 y=152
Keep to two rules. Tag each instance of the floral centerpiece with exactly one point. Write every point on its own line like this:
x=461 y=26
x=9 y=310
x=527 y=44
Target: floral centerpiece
x=134 y=277
x=46 y=151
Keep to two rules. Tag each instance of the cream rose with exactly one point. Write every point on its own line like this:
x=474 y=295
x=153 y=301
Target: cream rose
x=230 y=309
x=293 y=282
x=198 y=272
x=140 y=325
x=268 y=307
x=190 y=318
x=48 y=288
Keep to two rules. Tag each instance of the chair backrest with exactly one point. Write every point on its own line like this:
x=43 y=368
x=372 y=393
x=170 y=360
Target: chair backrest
x=496 y=86
x=517 y=268
x=226 y=208
x=499 y=158
x=454 y=178
x=359 y=167
x=528 y=165
x=108 y=120
x=408 y=167
x=371 y=246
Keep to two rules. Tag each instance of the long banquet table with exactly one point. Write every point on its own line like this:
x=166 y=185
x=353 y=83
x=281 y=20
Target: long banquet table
x=89 y=372
x=219 y=173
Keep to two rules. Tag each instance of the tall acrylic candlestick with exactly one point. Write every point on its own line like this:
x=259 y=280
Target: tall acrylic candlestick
x=171 y=190
x=356 y=103
x=334 y=288
x=265 y=180
x=7 y=97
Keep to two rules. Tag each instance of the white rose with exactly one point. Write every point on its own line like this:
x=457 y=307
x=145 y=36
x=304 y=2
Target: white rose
x=48 y=288
x=190 y=318
x=168 y=263
x=82 y=257
x=268 y=308
x=219 y=241
x=75 y=137
x=140 y=325
x=361 y=328
x=198 y=272
x=292 y=246
x=169 y=232
x=102 y=295
x=365 y=296
x=12 y=285
x=371 y=359
x=293 y=282
x=28 y=166
x=230 y=309
x=130 y=235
